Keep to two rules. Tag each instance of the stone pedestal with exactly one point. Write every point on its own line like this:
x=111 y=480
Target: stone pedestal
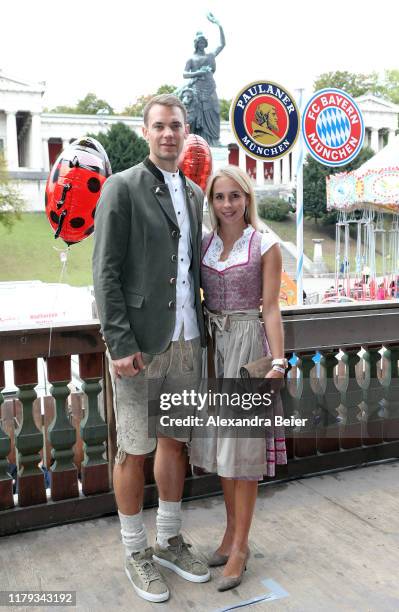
x=319 y=265
x=220 y=157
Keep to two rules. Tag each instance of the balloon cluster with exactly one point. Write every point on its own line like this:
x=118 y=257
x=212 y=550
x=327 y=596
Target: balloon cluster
x=196 y=160
x=73 y=189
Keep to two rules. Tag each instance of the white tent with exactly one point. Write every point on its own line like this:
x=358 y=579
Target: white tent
x=374 y=185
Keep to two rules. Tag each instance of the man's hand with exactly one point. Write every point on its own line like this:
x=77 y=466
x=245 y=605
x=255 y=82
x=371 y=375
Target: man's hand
x=128 y=366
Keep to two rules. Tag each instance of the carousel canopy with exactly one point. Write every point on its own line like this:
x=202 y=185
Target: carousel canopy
x=374 y=185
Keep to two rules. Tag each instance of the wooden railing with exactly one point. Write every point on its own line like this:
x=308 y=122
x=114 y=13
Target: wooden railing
x=343 y=379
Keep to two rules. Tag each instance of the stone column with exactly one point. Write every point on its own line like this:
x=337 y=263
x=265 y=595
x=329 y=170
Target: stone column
x=242 y=162
x=260 y=175
x=374 y=140
x=276 y=172
x=45 y=155
x=12 y=141
x=286 y=170
x=35 y=150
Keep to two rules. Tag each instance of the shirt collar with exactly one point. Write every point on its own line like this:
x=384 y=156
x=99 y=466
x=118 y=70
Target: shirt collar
x=158 y=173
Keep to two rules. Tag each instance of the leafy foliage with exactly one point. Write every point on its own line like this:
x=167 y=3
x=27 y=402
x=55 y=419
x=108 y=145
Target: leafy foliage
x=273 y=209
x=224 y=109
x=354 y=84
x=89 y=105
x=124 y=148
x=359 y=84
x=136 y=109
x=314 y=185
x=11 y=203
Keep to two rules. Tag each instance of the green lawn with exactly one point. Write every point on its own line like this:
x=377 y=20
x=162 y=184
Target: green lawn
x=29 y=252
x=287 y=232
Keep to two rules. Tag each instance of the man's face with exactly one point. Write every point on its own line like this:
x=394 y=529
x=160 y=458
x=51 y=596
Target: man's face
x=165 y=134
x=272 y=120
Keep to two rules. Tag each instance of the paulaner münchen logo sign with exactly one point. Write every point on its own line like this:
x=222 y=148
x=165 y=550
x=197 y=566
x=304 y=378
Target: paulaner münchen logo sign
x=265 y=120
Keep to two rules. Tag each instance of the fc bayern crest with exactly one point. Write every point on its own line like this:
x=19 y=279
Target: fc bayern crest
x=333 y=127
x=265 y=120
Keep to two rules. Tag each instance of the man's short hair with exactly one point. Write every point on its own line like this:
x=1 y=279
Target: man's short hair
x=164 y=100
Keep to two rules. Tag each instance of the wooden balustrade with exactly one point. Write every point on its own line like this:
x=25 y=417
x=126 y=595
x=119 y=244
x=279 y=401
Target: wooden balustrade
x=343 y=380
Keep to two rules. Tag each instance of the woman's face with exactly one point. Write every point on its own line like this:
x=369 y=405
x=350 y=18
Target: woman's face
x=201 y=44
x=229 y=201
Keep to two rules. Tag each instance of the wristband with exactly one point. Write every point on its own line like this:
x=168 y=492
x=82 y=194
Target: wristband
x=279 y=369
x=282 y=362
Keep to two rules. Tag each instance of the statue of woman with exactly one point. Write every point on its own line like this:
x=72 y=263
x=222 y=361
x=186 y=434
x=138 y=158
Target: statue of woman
x=199 y=69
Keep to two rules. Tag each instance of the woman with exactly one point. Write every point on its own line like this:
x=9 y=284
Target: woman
x=199 y=69
x=240 y=267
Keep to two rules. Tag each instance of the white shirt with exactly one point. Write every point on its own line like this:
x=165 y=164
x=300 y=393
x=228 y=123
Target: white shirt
x=239 y=254
x=186 y=315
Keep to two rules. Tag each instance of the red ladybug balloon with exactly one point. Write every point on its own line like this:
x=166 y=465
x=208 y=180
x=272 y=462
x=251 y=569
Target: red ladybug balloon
x=196 y=160
x=73 y=189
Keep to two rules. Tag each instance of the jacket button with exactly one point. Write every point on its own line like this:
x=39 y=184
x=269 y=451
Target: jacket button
x=172 y=280
x=175 y=234
x=174 y=258
x=171 y=305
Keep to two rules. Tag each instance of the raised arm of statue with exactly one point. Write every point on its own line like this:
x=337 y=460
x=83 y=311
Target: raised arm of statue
x=220 y=48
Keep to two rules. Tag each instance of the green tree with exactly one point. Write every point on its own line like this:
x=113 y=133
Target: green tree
x=389 y=87
x=354 y=84
x=224 y=109
x=314 y=185
x=165 y=89
x=89 y=105
x=11 y=203
x=67 y=110
x=136 y=109
x=273 y=209
x=124 y=148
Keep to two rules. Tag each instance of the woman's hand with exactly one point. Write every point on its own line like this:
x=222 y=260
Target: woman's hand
x=274 y=374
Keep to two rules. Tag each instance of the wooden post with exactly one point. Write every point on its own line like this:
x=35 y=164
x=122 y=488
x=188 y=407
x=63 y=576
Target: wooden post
x=29 y=440
x=62 y=436
x=6 y=496
x=93 y=429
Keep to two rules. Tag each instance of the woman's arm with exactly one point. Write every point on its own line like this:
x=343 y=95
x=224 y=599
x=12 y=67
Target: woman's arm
x=271 y=280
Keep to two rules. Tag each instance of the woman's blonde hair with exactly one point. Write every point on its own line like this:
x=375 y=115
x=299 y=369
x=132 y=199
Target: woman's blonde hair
x=242 y=179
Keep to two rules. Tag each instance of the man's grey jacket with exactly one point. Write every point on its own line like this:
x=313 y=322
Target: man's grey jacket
x=135 y=259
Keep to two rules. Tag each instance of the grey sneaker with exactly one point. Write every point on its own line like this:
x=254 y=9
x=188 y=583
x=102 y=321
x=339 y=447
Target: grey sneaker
x=179 y=559
x=145 y=577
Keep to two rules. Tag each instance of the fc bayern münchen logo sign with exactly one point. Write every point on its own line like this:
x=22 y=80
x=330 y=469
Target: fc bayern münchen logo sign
x=333 y=127
x=265 y=120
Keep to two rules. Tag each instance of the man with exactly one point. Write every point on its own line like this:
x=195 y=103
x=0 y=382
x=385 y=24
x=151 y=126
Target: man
x=146 y=280
x=265 y=124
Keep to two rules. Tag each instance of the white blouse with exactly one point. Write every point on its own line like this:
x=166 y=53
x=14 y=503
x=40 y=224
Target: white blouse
x=239 y=254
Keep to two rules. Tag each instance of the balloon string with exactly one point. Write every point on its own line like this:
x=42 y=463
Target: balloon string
x=64 y=260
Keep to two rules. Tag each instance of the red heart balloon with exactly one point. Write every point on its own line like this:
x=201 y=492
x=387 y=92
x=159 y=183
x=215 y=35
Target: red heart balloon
x=196 y=160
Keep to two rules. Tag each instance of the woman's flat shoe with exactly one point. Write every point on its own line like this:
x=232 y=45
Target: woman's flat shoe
x=217 y=559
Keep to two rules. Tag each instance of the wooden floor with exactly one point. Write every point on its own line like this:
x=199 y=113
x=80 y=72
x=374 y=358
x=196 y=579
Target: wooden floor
x=329 y=543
